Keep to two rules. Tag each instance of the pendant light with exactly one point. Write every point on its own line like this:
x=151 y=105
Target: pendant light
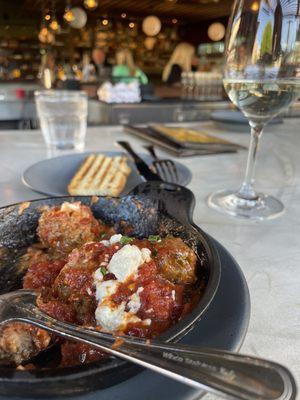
x=54 y=25
x=90 y=4
x=68 y=14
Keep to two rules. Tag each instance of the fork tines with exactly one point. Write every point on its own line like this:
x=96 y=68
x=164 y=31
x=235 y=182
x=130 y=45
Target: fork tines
x=167 y=170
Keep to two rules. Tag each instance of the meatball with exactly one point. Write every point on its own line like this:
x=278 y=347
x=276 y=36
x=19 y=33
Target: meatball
x=147 y=272
x=176 y=261
x=90 y=255
x=79 y=353
x=64 y=228
x=42 y=274
x=57 y=309
x=72 y=295
x=160 y=300
x=74 y=286
x=77 y=275
x=19 y=342
x=33 y=256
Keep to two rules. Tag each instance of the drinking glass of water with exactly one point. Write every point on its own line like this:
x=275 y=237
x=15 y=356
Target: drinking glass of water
x=262 y=78
x=63 y=119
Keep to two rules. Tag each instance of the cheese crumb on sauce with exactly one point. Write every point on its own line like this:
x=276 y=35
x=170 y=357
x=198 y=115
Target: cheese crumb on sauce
x=124 y=264
x=134 y=303
x=114 y=318
x=106 y=289
x=66 y=206
x=113 y=240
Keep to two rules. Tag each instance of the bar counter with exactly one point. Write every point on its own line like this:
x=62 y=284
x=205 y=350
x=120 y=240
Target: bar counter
x=158 y=111
x=267 y=252
x=18 y=113
x=17 y=107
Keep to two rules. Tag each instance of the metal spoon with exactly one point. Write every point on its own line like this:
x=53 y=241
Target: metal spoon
x=227 y=374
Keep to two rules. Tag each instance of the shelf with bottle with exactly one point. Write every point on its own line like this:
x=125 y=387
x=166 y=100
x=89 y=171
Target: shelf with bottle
x=211 y=49
x=202 y=86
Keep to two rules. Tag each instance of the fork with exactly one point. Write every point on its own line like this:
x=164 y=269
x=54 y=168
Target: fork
x=165 y=168
x=228 y=374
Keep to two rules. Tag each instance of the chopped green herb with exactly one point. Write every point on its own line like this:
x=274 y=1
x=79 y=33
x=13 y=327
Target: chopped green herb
x=154 y=239
x=154 y=252
x=126 y=240
x=103 y=271
x=103 y=234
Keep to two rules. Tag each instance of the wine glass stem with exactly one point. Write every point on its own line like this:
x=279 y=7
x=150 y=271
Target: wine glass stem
x=247 y=191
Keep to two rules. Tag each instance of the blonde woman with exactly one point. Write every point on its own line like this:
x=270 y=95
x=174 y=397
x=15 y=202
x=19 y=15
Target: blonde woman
x=183 y=59
x=125 y=69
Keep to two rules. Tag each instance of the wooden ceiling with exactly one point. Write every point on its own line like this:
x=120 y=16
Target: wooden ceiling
x=183 y=10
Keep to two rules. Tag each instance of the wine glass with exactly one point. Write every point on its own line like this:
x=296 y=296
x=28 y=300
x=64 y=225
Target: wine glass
x=262 y=78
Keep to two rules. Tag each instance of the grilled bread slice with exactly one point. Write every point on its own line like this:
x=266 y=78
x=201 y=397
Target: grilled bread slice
x=100 y=175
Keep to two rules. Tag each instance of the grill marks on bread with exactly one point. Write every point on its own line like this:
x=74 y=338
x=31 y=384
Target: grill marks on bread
x=100 y=175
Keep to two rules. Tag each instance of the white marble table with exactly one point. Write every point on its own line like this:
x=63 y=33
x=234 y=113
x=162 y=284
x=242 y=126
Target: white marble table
x=268 y=252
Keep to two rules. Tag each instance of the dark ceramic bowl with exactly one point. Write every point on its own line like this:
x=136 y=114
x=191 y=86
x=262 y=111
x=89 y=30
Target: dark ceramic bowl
x=152 y=208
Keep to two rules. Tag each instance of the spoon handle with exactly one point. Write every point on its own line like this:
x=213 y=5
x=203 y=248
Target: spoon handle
x=227 y=374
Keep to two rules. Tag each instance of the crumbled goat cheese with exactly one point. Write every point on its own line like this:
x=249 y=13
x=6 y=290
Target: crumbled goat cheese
x=113 y=240
x=127 y=260
x=134 y=303
x=146 y=255
x=103 y=264
x=123 y=264
x=106 y=289
x=114 y=318
x=98 y=276
x=70 y=206
x=110 y=318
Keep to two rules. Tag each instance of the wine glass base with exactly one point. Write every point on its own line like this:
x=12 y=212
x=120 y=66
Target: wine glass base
x=229 y=202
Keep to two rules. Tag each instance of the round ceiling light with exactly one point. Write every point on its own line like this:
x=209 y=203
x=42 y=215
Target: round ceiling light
x=79 y=18
x=90 y=4
x=151 y=25
x=54 y=25
x=216 y=31
x=68 y=15
x=255 y=6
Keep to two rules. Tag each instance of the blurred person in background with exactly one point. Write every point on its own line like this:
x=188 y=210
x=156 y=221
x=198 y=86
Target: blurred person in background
x=69 y=77
x=183 y=59
x=125 y=69
x=7 y=66
x=98 y=69
x=48 y=70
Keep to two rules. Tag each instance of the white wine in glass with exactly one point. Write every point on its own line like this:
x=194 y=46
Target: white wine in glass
x=262 y=78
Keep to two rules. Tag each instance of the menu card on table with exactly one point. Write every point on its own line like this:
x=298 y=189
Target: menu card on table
x=182 y=141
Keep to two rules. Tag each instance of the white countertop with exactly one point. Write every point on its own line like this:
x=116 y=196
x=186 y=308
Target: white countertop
x=268 y=252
